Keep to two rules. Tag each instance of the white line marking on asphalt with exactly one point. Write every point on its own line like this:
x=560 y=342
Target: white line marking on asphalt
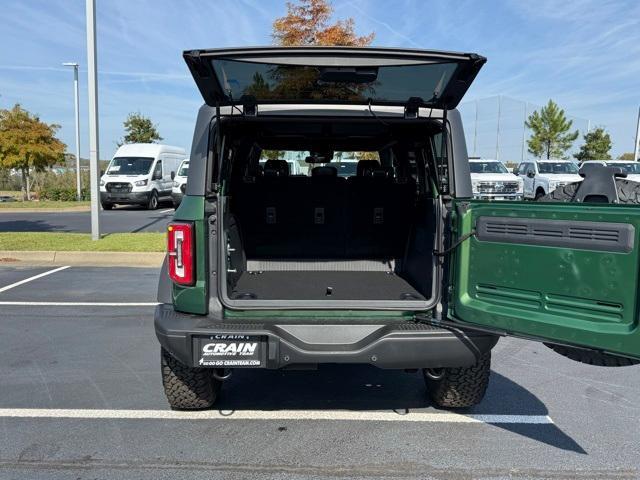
x=80 y=304
x=167 y=210
x=425 y=417
x=35 y=277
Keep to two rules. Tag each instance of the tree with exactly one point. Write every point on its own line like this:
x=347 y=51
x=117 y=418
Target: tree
x=272 y=154
x=551 y=137
x=597 y=145
x=626 y=156
x=140 y=129
x=27 y=144
x=307 y=23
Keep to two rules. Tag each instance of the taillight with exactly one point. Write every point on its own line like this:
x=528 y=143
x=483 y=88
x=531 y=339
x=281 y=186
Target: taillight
x=181 y=253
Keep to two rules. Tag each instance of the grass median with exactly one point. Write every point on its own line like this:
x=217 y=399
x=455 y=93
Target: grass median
x=81 y=242
x=36 y=204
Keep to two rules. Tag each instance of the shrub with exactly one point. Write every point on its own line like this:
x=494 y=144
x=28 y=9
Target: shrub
x=64 y=194
x=60 y=186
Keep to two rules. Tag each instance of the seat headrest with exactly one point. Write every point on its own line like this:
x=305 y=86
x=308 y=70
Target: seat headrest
x=324 y=172
x=276 y=168
x=365 y=168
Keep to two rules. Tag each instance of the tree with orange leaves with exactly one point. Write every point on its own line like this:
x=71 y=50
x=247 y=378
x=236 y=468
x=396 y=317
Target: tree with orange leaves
x=307 y=23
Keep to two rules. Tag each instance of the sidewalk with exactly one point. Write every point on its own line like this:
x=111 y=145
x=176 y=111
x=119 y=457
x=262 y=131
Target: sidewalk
x=96 y=259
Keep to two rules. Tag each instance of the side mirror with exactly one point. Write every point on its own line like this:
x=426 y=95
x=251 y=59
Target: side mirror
x=515 y=170
x=173 y=175
x=531 y=173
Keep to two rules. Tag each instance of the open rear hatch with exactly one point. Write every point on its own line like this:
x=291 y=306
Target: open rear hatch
x=333 y=75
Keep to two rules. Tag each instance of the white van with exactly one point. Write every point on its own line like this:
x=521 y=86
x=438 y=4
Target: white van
x=140 y=173
x=180 y=183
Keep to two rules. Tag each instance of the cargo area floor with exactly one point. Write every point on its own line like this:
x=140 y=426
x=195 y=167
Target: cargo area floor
x=319 y=285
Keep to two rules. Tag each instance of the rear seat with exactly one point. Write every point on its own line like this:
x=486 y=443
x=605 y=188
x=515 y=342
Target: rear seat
x=324 y=216
x=372 y=212
x=262 y=208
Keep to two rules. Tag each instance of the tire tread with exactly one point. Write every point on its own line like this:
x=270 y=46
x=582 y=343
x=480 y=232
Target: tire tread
x=461 y=387
x=187 y=388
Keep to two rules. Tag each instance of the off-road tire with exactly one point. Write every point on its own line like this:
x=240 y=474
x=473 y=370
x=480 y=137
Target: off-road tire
x=107 y=206
x=153 y=202
x=460 y=387
x=539 y=194
x=187 y=388
x=628 y=193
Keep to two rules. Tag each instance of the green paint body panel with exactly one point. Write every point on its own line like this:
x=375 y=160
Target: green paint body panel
x=193 y=299
x=569 y=295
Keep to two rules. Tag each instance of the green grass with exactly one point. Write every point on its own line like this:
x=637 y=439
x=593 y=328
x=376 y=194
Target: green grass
x=43 y=204
x=81 y=242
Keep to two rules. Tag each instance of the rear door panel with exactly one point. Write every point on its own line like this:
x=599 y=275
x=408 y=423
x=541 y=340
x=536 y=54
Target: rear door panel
x=559 y=272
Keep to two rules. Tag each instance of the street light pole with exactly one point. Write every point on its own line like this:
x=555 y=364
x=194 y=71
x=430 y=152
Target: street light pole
x=76 y=102
x=636 y=148
x=94 y=153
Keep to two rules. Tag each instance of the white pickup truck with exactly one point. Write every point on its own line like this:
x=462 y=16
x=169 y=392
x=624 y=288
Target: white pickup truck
x=631 y=168
x=490 y=180
x=544 y=176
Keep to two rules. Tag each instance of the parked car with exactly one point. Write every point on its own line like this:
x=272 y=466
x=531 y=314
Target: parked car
x=490 y=180
x=180 y=183
x=7 y=198
x=398 y=267
x=544 y=176
x=631 y=168
x=140 y=173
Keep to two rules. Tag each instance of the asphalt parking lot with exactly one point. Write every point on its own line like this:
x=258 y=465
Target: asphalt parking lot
x=122 y=219
x=81 y=398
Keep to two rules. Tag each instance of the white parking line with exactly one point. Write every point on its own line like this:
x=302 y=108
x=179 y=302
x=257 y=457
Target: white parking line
x=330 y=415
x=80 y=304
x=35 y=277
x=167 y=210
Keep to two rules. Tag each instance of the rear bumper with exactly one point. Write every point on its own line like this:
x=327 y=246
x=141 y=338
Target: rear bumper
x=395 y=345
x=131 y=197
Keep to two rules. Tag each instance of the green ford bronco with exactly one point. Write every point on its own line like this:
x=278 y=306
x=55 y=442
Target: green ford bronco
x=277 y=261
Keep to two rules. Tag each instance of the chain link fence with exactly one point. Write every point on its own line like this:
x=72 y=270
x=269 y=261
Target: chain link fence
x=494 y=128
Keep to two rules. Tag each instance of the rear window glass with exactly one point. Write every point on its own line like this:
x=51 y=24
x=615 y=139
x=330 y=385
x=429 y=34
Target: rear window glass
x=391 y=84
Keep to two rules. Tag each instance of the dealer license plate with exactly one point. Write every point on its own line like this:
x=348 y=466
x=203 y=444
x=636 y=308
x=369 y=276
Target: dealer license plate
x=231 y=351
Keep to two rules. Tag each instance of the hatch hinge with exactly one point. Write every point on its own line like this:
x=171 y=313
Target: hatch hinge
x=249 y=105
x=412 y=107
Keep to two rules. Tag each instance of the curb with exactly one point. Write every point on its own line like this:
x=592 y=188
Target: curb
x=44 y=210
x=89 y=259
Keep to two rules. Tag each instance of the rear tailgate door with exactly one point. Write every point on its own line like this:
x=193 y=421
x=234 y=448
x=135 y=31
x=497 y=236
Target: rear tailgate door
x=333 y=75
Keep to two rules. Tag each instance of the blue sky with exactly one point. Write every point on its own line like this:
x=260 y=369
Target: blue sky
x=583 y=54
